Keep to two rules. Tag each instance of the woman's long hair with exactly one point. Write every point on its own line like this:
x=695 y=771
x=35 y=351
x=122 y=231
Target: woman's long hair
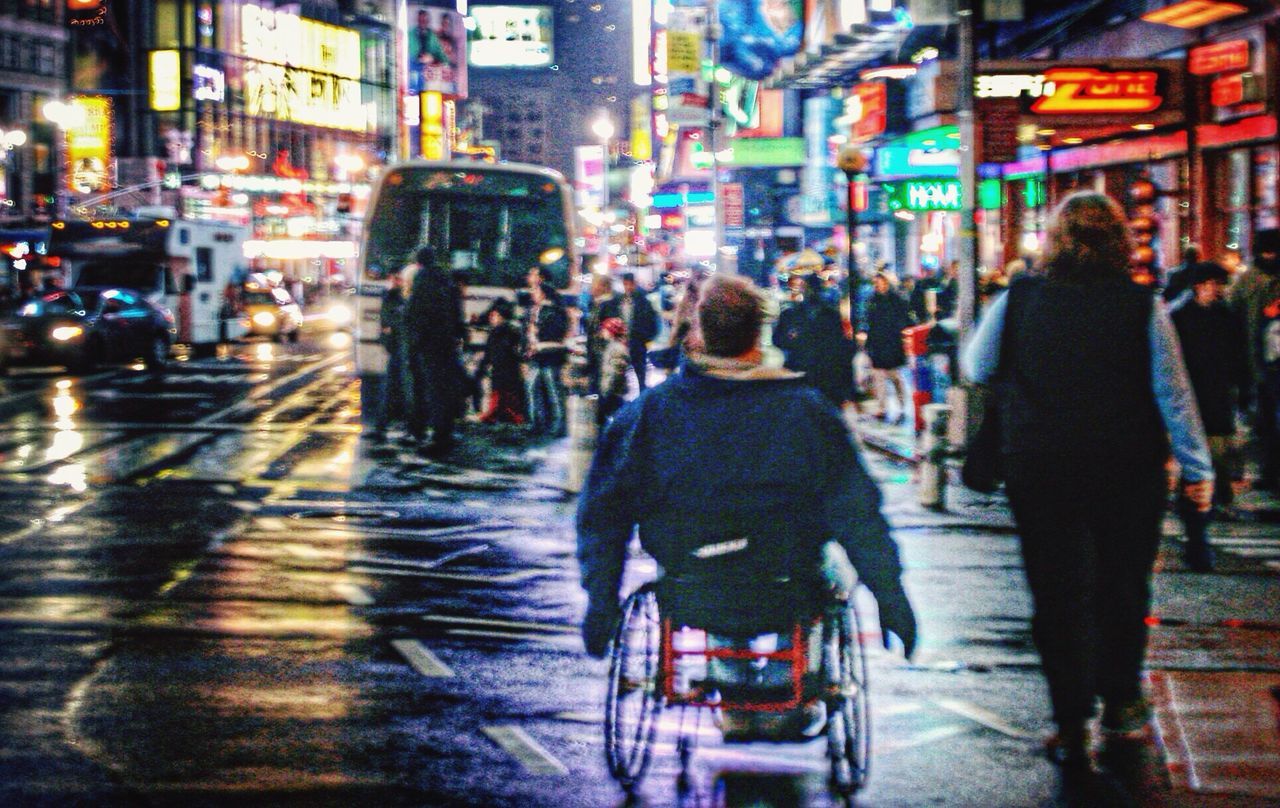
x=1088 y=240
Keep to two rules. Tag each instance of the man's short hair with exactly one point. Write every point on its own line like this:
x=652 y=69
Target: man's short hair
x=628 y=276
x=730 y=314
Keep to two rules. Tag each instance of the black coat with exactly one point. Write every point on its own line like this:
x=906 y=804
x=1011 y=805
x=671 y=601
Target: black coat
x=502 y=358
x=812 y=338
x=644 y=320
x=1213 y=347
x=392 y=319
x=550 y=328
x=433 y=316
x=886 y=316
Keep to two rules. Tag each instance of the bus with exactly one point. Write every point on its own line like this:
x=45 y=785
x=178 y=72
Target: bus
x=494 y=222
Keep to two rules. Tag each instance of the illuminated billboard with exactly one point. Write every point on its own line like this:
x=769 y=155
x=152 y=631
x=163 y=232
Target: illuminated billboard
x=437 y=51
x=88 y=151
x=511 y=36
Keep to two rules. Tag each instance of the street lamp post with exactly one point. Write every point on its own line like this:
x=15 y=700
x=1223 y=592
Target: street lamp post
x=852 y=161
x=602 y=127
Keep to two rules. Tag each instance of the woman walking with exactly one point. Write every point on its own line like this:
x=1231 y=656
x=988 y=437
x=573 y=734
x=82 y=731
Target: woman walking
x=1093 y=386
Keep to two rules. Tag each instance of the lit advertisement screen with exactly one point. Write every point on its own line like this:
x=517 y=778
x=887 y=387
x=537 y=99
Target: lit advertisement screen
x=511 y=36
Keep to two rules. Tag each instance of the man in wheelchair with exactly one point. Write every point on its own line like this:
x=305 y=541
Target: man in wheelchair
x=747 y=489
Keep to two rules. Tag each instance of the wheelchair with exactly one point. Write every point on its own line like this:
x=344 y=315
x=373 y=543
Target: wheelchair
x=659 y=662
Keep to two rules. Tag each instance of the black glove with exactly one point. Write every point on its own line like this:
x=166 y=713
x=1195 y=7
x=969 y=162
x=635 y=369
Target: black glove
x=598 y=628
x=897 y=618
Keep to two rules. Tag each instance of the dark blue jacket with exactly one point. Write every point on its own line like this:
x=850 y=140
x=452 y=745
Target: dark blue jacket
x=743 y=478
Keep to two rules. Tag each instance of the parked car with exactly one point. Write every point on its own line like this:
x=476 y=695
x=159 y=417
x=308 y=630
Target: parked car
x=86 y=327
x=272 y=312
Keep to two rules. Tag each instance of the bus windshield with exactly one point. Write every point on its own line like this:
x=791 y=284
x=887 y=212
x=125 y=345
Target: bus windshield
x=494 y=223
x=131 y=274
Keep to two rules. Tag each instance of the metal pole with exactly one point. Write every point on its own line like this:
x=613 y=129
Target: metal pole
x=968 y=173
x=851 y=222
x=713 y=129
x=604 y=207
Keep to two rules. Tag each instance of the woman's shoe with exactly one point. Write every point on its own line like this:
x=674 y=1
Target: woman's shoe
x=1069 y=747
x=1126 y=718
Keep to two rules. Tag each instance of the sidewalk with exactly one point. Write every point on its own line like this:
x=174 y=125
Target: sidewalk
x=1214 y=651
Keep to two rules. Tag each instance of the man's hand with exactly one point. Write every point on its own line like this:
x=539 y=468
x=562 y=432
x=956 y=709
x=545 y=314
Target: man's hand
x=597 y=629
x=897 y=618
x=1200 y=494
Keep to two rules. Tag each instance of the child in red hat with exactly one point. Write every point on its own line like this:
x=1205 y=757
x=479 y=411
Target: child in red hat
x=613 y=369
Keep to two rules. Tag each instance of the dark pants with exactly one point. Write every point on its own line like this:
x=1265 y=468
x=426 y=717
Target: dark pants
x=1089 y=536
x=1267 y=431
x=393 y=401
x=639 y=361
x=435 y=395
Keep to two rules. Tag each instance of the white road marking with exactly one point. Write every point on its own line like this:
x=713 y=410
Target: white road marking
x=246 y=506
x=1275 y=565
x=353 y=594
x=37 y=524
x=581 y=718
x=419 y=565
x=557 y=628
x=421 y=660
x=983 y=716
x=532 y=756
x=304 y=551
x=922 y=738
x=554 y=640
x=271 y=523
x=506 y=578
x=1228 y=541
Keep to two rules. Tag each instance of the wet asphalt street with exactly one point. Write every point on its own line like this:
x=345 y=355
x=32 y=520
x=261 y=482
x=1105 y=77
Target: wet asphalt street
x=212 y=592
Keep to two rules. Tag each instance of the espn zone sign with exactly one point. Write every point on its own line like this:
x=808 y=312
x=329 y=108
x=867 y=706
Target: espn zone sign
x=1078 y=90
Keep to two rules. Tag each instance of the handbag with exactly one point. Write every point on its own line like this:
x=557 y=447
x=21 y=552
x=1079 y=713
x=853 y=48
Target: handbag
x=983 y=469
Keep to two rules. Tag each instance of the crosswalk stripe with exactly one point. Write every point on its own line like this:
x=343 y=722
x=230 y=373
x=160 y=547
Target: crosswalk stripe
x=532 y=756
x=556 y=628
x=353 y=594
x=983 y=716
x=421 y=660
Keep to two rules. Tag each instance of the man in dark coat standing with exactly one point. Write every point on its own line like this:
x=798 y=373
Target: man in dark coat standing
x=1213 y=346
x=811 y=336
x=637 y=314
x=433 y=334
x=393 y=401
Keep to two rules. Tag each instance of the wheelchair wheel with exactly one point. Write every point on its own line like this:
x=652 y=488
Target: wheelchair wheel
x=848 y=719
x=633 y=700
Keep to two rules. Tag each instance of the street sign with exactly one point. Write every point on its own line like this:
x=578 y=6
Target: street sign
x=731 y=205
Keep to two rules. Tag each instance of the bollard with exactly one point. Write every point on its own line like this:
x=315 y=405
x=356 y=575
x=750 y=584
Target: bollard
x=933 y=457
x=582 y=440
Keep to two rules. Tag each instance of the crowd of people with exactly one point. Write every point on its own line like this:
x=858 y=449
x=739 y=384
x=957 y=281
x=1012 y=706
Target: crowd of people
x=521 y=377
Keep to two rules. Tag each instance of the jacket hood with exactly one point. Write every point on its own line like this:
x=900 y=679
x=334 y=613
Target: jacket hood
x=736 y=370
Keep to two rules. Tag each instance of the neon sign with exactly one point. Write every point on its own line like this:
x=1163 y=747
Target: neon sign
x=1084 y=90
x=1077 y=90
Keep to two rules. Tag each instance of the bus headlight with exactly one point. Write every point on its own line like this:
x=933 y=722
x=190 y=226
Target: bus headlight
x=264 y=318
x=64 y=333
x=340 y=314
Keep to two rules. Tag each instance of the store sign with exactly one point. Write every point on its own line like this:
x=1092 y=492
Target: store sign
x=866 y=107
x=766 y=151
x=688 y=91
x=732 y=207
x=89 y=146
x=209 y=84
x=900 y=161
x=1077 y=90
x=165 y=68
x=930 y=195
x=301 y=70
x=1220 y=57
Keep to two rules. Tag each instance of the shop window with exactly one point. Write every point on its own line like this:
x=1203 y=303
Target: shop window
x=1266 y=175
x=1236 y=200
x=166 y=23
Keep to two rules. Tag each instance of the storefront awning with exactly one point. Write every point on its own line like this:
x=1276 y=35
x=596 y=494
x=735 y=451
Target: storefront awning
x=839 y=60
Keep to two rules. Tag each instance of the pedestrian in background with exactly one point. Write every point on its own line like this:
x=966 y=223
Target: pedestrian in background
x=601 y=291
x=393 y=399
x=548 y=326
x=501 y=362
x=613 y=369
x=1179 y=278
x=811 y=337
x=1213 y=344
x=1249 y=295
x=886 y=317
x=635 y=311
x=434 y=330
x=1093 y=383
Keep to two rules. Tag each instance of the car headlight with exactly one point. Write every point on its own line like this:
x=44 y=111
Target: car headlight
x=63 y=333
x=264 y=319
x=340 y=313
